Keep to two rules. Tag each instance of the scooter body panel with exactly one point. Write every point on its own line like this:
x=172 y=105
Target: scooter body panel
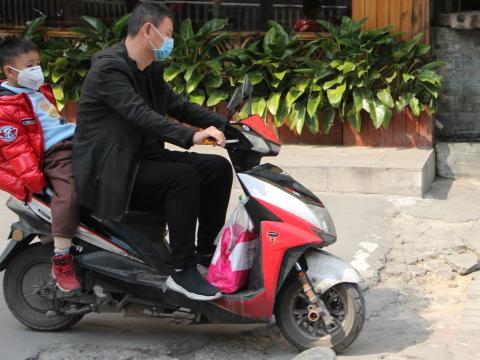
x=326 y=270
x=276 y=239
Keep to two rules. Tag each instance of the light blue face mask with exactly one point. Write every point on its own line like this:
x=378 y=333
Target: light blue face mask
x=166 y=48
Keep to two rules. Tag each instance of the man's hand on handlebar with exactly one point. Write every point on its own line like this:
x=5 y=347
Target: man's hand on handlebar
x=209 y=136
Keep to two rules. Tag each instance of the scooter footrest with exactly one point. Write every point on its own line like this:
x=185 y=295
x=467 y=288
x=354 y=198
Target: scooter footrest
x=122 y=268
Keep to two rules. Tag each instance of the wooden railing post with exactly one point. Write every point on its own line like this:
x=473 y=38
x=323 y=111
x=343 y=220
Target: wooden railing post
x=73 y=10
x=266 y=11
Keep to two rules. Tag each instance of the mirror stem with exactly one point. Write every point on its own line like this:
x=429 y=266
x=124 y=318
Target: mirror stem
x=250 y=104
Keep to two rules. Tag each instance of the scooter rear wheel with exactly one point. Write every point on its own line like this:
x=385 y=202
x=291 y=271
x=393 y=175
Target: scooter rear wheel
x=30 y=269
x=345 y=303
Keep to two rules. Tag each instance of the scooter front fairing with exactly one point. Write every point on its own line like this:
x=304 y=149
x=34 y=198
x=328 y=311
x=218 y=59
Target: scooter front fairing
x=281 y=245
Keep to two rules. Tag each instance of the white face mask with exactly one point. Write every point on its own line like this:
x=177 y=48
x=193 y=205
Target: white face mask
x=30 y=78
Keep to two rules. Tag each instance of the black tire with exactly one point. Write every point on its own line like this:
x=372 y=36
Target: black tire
x=32 y=267
x=346 y=304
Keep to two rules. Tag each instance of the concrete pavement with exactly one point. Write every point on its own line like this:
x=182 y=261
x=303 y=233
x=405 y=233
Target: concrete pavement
x=363 y=231
x=418 y=309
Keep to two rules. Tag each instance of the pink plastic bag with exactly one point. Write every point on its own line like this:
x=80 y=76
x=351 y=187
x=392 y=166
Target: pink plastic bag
x=234 y=255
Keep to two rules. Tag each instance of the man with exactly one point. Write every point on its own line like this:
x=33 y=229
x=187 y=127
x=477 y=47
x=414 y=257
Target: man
x=120 y=163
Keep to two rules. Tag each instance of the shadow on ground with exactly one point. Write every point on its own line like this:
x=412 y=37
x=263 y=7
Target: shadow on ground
x=392 y=324
x=440 y=189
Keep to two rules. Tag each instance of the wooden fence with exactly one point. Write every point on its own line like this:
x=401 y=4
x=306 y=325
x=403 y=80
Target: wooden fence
x=407 y=16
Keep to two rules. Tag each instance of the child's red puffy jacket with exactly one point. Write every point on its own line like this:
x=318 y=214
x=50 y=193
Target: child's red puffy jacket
x=21 y=144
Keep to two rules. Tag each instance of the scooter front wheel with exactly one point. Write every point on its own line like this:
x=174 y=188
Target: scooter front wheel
x=345 y=303
x=27 y=272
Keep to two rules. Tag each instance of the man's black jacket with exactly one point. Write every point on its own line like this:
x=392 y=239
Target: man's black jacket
x=114 y=124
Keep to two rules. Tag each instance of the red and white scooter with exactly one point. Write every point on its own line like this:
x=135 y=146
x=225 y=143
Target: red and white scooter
x=315 y=296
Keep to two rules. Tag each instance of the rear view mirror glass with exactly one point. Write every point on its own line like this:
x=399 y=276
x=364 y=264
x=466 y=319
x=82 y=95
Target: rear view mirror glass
x=235 y=101
x=247 y=88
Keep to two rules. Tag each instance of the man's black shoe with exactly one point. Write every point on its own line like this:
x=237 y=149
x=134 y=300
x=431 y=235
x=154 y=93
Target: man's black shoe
x=204 y=260
x=190 y=283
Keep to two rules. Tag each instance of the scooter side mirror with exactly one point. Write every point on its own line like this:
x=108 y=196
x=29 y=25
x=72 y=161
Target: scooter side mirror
x=247 y=88
x=235 y=102
x=247 y=91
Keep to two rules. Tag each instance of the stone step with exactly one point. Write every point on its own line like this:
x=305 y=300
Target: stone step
x=458 y=159
x=390 y=171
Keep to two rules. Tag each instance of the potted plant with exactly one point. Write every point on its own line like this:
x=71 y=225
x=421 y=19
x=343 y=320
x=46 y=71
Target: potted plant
x=366 y=81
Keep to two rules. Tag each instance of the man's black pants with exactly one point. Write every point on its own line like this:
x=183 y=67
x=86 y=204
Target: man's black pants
x=185 y=187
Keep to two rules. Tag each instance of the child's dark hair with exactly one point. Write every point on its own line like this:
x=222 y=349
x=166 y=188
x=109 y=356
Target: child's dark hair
x=13 y=46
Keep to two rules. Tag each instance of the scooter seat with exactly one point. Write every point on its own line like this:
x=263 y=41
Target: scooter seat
x=133 y=216
x=148 y=240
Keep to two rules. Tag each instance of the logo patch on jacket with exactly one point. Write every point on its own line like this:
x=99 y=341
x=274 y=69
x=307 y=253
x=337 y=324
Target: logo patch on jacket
x=8 y=133
x=29 y=121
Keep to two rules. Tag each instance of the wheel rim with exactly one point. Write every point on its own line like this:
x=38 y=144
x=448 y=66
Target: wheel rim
x=335 y=302
x=32 y=280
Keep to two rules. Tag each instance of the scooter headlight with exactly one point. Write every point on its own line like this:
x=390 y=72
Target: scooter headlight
x=324 y=222
x=258 y=144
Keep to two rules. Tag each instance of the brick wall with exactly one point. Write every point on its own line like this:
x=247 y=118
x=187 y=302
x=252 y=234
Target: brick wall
x=459 y=99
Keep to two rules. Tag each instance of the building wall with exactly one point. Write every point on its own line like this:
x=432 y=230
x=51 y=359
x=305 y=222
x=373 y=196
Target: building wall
x=459 y=100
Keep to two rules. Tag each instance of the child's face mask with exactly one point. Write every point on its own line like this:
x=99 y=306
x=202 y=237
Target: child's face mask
x=165 y=50
x=30 y=77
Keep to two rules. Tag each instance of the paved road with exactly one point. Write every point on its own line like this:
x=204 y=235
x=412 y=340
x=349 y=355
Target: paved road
x=362 y=224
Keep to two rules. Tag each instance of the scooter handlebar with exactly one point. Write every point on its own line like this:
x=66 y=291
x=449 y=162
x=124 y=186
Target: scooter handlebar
x=209 y=141
x=212 y=141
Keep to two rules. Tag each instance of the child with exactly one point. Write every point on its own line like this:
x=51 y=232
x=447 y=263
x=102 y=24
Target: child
x=35 y=142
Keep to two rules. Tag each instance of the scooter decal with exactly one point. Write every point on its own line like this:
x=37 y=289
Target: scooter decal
x=272 y=236
x=83 y=233
x=273 y=195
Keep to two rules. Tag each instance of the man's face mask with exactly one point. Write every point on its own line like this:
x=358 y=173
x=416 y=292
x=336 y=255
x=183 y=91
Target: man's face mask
x=31 y=77
x=166 y=49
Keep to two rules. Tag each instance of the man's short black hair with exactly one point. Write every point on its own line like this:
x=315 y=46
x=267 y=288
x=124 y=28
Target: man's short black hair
x=147 y=11
x=13 y=46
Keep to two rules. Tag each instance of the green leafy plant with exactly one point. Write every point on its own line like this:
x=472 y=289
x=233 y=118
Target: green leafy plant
x=195 y=67
x=65 y=61
x=341 y=74
x=270 y=64
x=366 y=71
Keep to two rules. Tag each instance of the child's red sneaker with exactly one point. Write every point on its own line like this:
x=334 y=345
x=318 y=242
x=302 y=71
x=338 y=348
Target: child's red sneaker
x=62 y=272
